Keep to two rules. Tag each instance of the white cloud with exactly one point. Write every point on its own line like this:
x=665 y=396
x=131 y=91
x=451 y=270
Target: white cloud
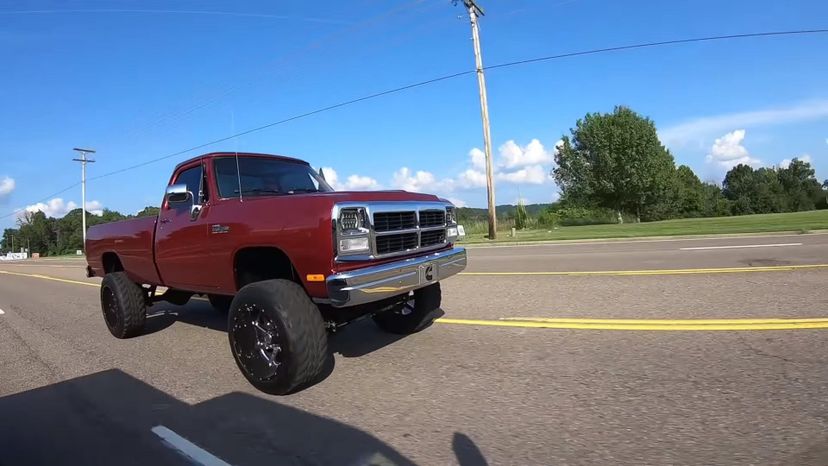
x=728 y=151
x=420 y=181
x=57 y=208
x=353 y=183
x=7 y=185
x=533 y=174
x=478 y=158
x=361 y=183
x=472 y=178
x=699 y=128
x=94 y=208
x=785 y=163
x=512 y=155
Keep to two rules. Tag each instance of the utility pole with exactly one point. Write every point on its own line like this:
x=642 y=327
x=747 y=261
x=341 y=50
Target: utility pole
x=83 y=160
x=474 y=12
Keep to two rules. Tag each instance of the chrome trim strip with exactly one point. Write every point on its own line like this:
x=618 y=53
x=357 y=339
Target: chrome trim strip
x=379 y=282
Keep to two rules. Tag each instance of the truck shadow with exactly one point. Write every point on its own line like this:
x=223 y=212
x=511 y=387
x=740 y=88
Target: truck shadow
x=111 y=417
x=363 y=337
x=353 y=341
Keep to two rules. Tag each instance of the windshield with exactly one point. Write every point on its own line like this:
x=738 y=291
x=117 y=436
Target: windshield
x=262 y=176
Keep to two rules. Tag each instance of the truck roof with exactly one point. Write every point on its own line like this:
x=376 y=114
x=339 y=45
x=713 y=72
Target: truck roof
x=240 y=154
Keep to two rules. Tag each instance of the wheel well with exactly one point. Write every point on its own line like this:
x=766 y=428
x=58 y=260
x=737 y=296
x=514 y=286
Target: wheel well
x=112 y=263
x=262 y=263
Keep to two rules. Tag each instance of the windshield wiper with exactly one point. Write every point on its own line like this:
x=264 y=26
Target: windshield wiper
x=260 y=191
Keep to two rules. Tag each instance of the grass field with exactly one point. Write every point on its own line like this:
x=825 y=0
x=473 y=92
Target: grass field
x=795 y=221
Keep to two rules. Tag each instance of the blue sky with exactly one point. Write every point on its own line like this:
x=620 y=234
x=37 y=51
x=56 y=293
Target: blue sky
x=140 y=80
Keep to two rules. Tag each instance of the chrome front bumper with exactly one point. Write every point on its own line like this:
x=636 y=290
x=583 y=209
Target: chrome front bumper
x=384 y=281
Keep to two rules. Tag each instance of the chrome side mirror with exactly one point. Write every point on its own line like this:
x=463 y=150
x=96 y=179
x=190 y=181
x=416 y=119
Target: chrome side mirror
x=178 y=194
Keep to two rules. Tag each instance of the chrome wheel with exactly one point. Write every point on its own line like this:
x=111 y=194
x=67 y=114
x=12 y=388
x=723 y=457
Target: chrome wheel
x=257 y=342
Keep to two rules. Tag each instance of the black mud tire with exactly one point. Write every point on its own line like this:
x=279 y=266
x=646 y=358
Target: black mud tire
x=220 y=302
x=414 y=315
x=123 y=305
x=293 y=322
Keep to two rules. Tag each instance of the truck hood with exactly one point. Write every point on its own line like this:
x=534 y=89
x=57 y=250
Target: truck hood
x=377 y=196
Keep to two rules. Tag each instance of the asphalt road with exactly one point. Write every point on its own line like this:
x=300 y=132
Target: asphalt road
x=466 y=392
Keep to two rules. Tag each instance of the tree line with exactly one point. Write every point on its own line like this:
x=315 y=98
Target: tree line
x=51 y=236
x=616 y=161
x=613 y=168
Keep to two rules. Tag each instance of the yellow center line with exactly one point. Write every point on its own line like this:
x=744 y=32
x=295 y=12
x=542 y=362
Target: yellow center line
x=589 y=323
x=576 y=320
x=46 y=277
x=773 y=268
x=779 y=324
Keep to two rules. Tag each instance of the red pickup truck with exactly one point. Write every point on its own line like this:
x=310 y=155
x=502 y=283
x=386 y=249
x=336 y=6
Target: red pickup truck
x=268 y=241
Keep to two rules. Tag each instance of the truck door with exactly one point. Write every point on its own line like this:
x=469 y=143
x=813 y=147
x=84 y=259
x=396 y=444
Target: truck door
x=182 y=233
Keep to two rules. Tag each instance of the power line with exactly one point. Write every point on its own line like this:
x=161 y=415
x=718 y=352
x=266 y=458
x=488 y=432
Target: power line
x=286 y=120
x=444 y=78
x=657 y=44
x=47 y=198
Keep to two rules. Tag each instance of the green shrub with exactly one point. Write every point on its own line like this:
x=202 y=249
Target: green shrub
x=549 y=219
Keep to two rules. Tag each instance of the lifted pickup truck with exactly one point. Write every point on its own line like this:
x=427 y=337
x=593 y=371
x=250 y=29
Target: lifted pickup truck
x=268 y=241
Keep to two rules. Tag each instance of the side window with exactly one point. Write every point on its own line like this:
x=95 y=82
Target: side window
x=193 y=178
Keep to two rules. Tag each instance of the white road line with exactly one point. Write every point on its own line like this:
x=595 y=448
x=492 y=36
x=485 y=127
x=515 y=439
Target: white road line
x=740 y=246
x=187 y=448
x=1 y=312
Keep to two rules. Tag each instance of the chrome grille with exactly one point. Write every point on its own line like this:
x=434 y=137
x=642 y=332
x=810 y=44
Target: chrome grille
x=432 y=237
x=432 y=218
x=393 y=228
x=389 y=221
x=388 y=244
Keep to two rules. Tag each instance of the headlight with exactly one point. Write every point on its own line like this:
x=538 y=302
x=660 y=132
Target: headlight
x=353 y=245
x=451 y=215
x=352 y=220
x=353 y=231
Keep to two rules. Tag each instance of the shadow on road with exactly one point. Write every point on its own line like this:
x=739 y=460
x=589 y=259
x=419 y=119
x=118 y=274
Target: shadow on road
x=355 y=340
x=107 y=417
x=196 y=312
x=468 y=454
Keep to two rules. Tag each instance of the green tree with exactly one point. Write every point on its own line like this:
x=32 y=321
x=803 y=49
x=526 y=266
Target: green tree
x=715 y=204
x=148 y=211
x=614 y=160
x=37 y=232
x=802 y=189
x=755 y=191
x=11 y=240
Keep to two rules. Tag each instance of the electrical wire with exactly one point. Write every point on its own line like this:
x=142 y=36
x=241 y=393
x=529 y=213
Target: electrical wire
x=444 y=78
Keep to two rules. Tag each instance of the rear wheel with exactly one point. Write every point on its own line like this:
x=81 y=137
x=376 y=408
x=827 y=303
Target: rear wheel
x=277 y=336
x=413 y=315
x=123 y=305
x=220 y=302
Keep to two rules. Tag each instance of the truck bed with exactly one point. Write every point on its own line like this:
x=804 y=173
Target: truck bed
x=133 y=242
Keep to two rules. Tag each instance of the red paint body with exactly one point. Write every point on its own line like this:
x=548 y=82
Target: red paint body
x=176 y=252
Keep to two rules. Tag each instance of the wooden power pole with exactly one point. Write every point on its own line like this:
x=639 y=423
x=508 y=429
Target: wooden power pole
x=83 y=160
x=474 y=12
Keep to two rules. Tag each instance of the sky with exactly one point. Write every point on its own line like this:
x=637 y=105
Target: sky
x=142 y=80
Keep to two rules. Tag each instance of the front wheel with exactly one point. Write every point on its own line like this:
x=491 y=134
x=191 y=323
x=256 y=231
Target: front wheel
x=277 y=336
x=413 y=315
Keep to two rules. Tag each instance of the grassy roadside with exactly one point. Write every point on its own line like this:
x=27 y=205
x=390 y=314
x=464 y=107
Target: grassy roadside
x=794 y=221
